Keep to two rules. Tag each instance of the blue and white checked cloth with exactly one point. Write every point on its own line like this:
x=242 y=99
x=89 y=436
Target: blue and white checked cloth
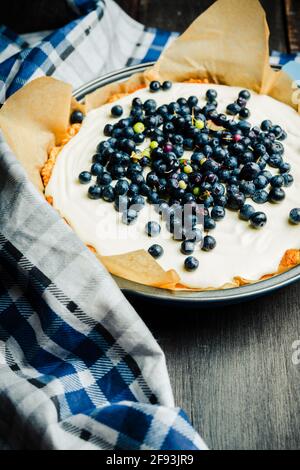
x=78 y=367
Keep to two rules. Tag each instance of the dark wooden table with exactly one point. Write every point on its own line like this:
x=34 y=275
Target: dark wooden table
x=231 y=368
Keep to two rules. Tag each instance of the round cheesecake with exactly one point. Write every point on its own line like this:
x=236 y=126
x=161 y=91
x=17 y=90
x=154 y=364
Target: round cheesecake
x=241 y=251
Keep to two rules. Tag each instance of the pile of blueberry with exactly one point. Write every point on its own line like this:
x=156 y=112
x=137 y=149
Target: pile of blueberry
x=228 y=165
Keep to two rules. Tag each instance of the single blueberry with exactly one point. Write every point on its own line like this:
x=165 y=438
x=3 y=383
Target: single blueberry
x=76 y=117
x=85 y=177
x=246 y=212
x=276 y=195
x=94 y=192
x=295 y=216
x=116 y=111
x=191 y=264
x=187 y=247
x=209 y=243
x=156 y=251
x=258 y=220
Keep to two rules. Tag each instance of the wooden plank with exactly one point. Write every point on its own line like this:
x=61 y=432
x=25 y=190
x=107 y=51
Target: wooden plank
x=24 y=16
x=130 y=6
x=231 y=369
x=292 y=8
x=177 y=15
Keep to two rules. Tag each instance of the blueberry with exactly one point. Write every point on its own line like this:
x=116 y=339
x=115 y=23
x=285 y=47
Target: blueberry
x=85 y=177
x=195 y=235
x=275 y=161
x=277 y=131
x=121 y=187
x=295 y=216
x=208 y=202
x=277 y=148
x=233 y=109
x=277 y=181
x=258 y=220
x=76 y=117
x=245 y=127
x=218 y=213
x=121 y=203
x=150 y=106
x=260 y=196
x=108 y=194
x=145 y=190
x=231 y=163
x=221 y=201
x=104 y=179
x=153 y=197
x=267 y=174
x=211 y=95
x=276 y=195
x=246 y=212
x=285 y=167
x=192 y=101
x=167 y=85
x=288 y=180
x=209 y=223
x=133 y=190
x=246 y=157
x=129 y=217
x=137 y=178
x=134 y=168
x=94 y=192
x=250 y=171
x=152 y=179
x=97 y=169
x=209 y=243
x=261 y=182
x=236 y=201
x=137 y=103
x=153 y=229
x=266 y=126
x=107 y=131
x=244 y=113
x=224 y=175
x=245 y=95
x=129 y=133
x=283 y=136
x=218 y=190
x=191 y=264
x=98 y=158
x=154 y=86
x=156 y=251
x=220 y=154
x=116 y=111
x=187 y=247
x=137 y=203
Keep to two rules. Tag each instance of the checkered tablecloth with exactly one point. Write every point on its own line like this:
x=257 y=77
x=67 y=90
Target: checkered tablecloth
x=78 y=367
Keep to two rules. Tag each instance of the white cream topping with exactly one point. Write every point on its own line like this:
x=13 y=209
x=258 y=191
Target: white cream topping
x=241 y=251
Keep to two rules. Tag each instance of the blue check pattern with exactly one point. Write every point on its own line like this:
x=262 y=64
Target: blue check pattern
x=103 y=38
x=75 y=373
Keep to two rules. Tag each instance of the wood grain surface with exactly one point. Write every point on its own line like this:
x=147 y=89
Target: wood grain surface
x=293 y=24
